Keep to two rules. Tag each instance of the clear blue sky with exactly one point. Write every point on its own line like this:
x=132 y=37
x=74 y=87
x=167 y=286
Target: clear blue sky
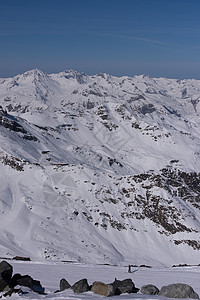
x=119 y=37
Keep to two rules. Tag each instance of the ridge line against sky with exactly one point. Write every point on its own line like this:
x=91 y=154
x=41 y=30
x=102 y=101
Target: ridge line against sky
x=120 y=37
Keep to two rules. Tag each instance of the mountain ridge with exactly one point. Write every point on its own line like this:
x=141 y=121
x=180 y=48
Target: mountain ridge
x=111 y=163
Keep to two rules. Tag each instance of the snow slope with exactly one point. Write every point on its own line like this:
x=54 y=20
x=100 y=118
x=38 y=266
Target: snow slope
x=100 y=169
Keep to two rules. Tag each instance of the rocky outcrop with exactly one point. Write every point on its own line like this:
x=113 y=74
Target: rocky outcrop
x=9 y=282
x=178 y=290
x=103 y=289
x=5 y=275
x=149 y=289
x=13 y=124
x=124 y=286
x=115 y=288
x=81 y=286
x=31 y=283
x=64 y=285
x=27 y=281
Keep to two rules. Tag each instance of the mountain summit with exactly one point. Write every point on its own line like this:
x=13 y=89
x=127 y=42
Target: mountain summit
x=100 y=169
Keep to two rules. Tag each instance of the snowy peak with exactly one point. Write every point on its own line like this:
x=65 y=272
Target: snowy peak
x=35 y=73
x=80 y=78
x=30 y=89
x=32 y=76
x=136 y=92
x=92 y=166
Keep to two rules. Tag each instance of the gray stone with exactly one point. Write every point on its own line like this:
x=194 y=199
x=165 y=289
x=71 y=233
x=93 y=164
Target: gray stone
x=27 y=281
x=14 y=279
x=178 y=290
x=124 y=286
x=64 y=285
x=5 y=274
x=103 y=289
x=149 y=289
x=81 y=286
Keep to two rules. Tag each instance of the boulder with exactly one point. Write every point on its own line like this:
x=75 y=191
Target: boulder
x=81 y=286
x=27 y=281
x=14 y=280
x=5 y=274
x=64 y=285
x=149 y=289
x=178 y=290
x=103 y=289
x=124 y=286
x=33 y=284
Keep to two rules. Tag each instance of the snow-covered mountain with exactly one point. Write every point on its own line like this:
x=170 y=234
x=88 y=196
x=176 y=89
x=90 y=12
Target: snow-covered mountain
x=100 y=169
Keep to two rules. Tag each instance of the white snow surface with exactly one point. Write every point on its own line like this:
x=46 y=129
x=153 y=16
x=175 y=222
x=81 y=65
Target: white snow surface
x=68 y=190
x=49 y=274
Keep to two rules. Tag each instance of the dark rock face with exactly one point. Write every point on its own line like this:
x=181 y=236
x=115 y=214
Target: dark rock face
x=8 y=282
x=27 y=281
x=34 y=285
x=124 y=286
x=64 y=285
x=81 y=286
x=14 y=280
x=11 y=123
x=147 y=109
x=178 y=290
x=149 y=289
x=103 y=289
x=116 y=288
x=5 y=274
x=185 y=186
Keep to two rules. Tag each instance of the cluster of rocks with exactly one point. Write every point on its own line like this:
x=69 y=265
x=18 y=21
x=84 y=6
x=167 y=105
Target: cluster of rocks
x=115 y=288
x=177 y=290
x=8 y=281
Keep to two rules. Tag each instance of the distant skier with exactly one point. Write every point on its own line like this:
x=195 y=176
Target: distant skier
x=129 y=268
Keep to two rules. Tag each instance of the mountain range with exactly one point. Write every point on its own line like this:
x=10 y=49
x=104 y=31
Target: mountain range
x=100 y=169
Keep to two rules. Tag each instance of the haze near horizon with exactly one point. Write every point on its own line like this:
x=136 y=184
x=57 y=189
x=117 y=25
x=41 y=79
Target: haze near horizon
x=131 y=37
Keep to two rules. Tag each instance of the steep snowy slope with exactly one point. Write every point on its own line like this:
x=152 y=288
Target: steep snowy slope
x=100 y=169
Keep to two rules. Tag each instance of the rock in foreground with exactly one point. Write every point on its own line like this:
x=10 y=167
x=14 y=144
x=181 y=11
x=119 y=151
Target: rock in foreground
x=64 y=285
x=103 y=289
x=149 y=289
x=81 y=286
x=178 y=290
x=124 y=286
x=5 y=274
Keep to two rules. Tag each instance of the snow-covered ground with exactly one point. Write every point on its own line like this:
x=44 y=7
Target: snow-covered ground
x=50 y=273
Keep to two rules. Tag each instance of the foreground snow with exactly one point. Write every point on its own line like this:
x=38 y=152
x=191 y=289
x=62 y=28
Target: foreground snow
x=50 y=273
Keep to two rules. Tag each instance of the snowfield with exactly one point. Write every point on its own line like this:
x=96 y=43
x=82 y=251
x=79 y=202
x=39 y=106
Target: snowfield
x=100 y=169
x=50 y=273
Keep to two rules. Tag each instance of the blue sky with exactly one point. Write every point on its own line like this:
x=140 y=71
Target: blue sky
x=119 y=37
